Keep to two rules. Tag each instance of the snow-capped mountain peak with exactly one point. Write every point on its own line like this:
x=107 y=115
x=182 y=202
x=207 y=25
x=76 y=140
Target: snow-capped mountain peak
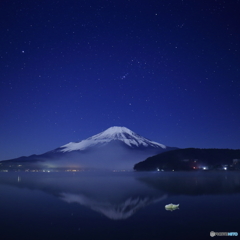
x=113 y=133
x=122 y=134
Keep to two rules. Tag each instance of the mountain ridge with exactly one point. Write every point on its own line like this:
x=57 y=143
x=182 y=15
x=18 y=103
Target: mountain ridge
x=192 y=159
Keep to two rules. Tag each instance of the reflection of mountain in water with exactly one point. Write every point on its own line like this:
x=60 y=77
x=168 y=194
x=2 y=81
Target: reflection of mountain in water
x=113 y=211
x=120 y=195
x=115 y=195
x=194 y=183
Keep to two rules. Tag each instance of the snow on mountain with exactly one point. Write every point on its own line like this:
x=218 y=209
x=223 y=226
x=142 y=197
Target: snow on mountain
x=118 y=211
x=122 y=134
x=113 y=149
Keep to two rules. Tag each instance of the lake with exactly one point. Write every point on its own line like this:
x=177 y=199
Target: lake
x=118 y=205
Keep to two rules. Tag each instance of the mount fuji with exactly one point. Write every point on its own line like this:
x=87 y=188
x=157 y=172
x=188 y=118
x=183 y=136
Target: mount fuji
x=121 y=135
x=115 y=148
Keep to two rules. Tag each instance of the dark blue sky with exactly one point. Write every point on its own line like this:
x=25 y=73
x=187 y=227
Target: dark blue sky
x=168 y=70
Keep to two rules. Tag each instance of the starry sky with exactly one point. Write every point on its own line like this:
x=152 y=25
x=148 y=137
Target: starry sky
x=169 y=70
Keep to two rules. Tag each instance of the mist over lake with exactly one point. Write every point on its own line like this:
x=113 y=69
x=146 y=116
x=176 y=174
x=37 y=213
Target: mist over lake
x=118 y=205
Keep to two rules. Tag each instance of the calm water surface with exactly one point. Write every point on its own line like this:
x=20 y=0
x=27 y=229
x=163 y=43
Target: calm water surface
x=92 y=205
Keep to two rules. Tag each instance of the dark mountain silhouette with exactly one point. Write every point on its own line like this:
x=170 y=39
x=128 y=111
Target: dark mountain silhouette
x=191 y=159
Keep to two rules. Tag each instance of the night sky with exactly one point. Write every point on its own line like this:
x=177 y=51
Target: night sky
x=167 y=69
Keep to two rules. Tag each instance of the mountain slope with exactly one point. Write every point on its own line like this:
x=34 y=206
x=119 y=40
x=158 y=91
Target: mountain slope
x=114 y=148
x=122 y=134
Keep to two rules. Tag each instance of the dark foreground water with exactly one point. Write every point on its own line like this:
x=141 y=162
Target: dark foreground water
x=118 y=205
